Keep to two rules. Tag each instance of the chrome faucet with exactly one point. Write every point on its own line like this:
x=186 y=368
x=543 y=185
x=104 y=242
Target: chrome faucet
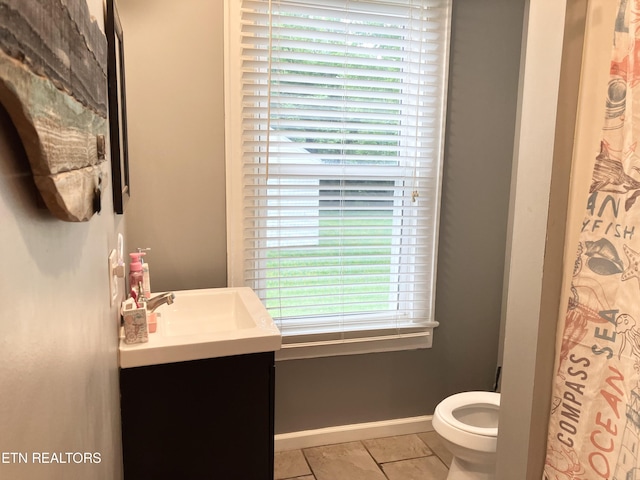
x=155 y=302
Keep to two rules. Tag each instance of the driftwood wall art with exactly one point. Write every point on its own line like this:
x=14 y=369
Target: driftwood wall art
x=53 y=84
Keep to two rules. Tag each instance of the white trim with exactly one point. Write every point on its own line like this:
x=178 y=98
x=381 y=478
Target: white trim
x=355 y=346
x=233 y=148
x=237 y=255
x=352 y=433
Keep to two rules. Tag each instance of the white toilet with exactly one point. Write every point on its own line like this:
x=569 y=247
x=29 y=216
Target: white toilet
x=467 y=423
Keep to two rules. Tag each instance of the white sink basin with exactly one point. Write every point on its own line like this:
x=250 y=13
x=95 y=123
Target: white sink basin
x=209 y=311
x=208 y=323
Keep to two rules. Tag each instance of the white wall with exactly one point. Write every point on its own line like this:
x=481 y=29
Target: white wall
x=528 y=347
x=563 y=88
x=58 y=333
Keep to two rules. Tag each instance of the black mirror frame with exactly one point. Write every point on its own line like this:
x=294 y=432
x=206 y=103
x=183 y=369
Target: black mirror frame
x=117 y=110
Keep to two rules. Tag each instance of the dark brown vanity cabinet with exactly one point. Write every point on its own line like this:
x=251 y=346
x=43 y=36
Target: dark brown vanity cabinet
x=208 y=419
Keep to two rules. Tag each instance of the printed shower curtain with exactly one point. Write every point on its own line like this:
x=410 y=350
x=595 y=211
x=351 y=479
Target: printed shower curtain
x=594 y=428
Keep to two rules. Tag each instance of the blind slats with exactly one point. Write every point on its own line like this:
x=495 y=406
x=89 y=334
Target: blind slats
x=342 y=112
x=363 y=171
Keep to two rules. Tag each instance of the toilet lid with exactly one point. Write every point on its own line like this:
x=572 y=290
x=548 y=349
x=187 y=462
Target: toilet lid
x=449 y=405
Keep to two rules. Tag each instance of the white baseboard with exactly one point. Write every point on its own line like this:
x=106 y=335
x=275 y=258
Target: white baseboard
x=351 y=433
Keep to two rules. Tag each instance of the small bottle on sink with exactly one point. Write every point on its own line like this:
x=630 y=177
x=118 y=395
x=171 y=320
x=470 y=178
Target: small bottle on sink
x=146 y=282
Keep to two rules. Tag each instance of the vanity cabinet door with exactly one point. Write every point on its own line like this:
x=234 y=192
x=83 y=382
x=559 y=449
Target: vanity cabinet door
x=203 y=419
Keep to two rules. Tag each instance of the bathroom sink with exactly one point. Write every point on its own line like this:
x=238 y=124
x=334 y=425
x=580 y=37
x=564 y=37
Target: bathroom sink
x=210 y=311
x=206 y=323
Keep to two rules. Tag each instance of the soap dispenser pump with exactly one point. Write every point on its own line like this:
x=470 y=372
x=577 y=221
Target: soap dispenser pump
x=146 y=282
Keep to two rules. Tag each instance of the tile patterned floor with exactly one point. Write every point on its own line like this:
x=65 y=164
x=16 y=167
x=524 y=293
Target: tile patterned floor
x=407 y=457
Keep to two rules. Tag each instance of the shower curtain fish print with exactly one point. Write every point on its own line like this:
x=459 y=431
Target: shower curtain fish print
x=594 y=427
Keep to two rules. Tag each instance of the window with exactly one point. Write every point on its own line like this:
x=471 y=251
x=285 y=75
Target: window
x=335 y=119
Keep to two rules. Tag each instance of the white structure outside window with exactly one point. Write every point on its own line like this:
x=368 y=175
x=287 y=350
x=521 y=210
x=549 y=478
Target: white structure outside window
x=335 y=126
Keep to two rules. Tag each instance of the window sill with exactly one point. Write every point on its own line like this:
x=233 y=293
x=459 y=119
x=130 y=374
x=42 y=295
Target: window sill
x=357 y=346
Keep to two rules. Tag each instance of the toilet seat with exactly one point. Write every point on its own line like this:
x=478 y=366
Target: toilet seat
x=465 y=399
x=467 y=424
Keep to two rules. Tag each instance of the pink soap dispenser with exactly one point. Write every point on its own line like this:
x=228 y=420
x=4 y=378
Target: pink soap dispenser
x=135 y=273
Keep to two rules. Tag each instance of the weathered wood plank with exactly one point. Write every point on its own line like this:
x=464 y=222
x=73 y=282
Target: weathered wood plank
x=71 y=195
x=54 y=87
x=56 y=39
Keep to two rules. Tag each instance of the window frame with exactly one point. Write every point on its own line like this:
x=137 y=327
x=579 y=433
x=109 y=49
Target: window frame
x=321 y=345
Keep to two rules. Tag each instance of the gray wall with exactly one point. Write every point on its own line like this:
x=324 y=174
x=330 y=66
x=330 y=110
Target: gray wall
x=58 y=333
x=175 y=111
x=316 y=393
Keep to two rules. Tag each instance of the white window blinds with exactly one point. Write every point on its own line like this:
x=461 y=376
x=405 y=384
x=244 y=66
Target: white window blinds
x=338 y=151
